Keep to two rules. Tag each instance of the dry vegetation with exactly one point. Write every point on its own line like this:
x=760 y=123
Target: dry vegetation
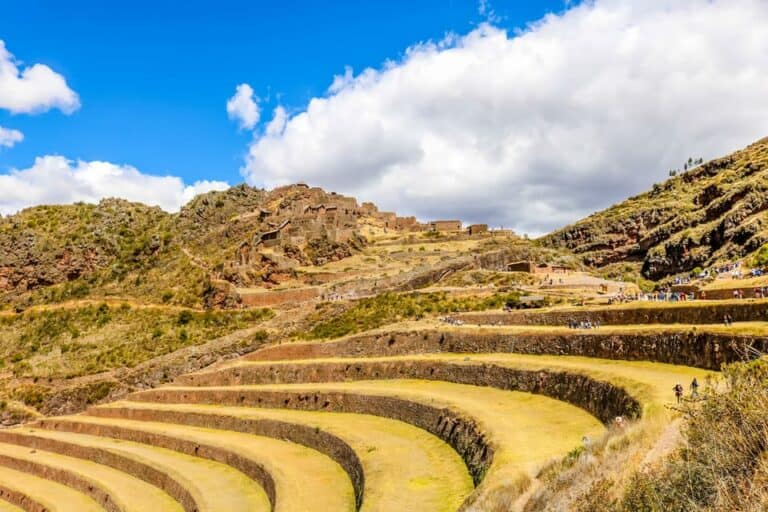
x=712 y=213
x=336 y=320
x=70 y=342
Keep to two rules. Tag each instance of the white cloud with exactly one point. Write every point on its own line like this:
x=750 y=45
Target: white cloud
x=33 y=89
x=243 y=108
x=276 y=126
x=10 y=137
x=538 y=128
x=56 y=180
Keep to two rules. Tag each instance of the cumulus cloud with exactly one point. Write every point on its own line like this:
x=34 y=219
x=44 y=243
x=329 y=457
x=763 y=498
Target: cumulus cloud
x=57 y=180
x=9 y=137
x=536 y=128
x=242 y=107
x=33 y=89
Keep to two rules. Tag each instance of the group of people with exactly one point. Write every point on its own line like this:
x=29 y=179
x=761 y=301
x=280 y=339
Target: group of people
x=583 y=324
x=450 y=320
x=666 y=296
x=678 y=389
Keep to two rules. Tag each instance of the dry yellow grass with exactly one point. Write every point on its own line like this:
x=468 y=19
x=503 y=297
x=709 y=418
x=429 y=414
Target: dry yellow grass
x=121 y=487
x=9 y=507
x=329 y=489
x=405 y=467
x=51 y=495
x=214 y=486
x=756 y=328
x=526 y=430
x=649 y=382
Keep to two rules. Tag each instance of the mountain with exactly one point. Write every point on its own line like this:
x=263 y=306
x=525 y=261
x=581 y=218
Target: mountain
x=713 y=212
x=244 y=236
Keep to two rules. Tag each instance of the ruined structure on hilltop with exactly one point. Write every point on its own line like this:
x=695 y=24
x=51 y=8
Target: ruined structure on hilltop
x=445 y=225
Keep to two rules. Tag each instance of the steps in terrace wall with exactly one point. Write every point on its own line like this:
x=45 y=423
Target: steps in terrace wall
x=285 y=464
x=35 y=494
x=502 y=435
x=198 y=484
x=404 y=467
x=114 y=490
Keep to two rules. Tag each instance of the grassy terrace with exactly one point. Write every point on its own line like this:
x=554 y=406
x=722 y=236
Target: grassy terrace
x=646 y=304
x=746 y=328
x=9 y=507
x=121 y=488
x=329 y=489
x=45 y=493
x=525 y=430
x=213 y=486
x=405 y=467
x=650 y=383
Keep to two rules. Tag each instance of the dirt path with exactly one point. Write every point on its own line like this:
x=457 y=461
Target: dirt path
x=670 y=438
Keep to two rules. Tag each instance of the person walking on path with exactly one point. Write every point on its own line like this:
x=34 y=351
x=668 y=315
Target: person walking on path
x=678 y=389
x=694 y=388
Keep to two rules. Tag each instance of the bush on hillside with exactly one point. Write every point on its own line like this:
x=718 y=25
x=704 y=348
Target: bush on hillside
x=760 y=257
x=724 y=465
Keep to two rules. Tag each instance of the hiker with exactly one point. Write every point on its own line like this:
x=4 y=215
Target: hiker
x=678 y=389
x=694 y=388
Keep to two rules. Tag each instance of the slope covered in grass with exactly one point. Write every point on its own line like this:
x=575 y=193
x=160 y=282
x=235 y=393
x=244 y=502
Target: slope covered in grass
x=713 y=212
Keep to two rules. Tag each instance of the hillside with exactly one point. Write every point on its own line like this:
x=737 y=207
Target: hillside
x=712 y=213
x=117 y=249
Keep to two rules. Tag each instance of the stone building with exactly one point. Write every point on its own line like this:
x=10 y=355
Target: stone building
x=445 y=225
x=476 y=229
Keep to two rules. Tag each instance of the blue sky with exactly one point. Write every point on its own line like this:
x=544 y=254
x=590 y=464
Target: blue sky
x=153 y=77
x=529 y=115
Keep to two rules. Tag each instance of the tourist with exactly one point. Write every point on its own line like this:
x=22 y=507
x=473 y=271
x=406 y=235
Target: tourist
x=678 y=389
x=694 y=388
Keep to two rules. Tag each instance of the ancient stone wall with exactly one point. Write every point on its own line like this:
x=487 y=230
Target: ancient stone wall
x=275 y=297
x=145 y=472
x=250 y=468
x=311 y=437
x=459 y=431
x=699 y=349
x=683 y=313
x=601 y=399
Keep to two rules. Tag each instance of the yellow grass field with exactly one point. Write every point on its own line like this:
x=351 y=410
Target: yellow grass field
x=286 y=462
x=214 y=486
x=51 y=495
x=526 y=430
x=121 y=487
x=404 y=466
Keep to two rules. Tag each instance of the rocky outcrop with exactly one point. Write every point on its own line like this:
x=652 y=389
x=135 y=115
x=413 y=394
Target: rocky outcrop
x=709 y=213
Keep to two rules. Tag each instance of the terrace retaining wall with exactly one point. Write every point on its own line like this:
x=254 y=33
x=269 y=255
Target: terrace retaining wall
x=601 y=399
x=682 y=313
x=137 y=469
x=700 y=349
x=461 y=432
x=310 y=437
